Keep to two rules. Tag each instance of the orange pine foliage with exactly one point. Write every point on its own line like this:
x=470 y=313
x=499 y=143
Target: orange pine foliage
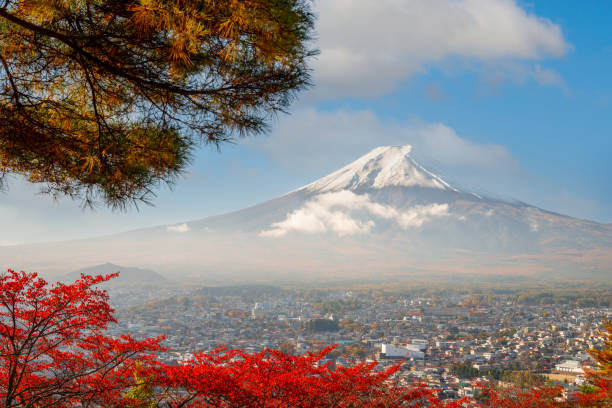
x=102 y=100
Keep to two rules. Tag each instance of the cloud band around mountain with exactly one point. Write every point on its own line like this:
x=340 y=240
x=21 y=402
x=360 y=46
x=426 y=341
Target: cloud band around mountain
x=338 y=212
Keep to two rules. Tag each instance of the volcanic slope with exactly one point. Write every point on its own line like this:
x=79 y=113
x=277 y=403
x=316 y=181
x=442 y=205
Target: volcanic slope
x=384 y=215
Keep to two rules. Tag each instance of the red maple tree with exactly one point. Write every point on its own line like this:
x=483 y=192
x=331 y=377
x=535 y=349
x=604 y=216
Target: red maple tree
x=233 y=378
x=537 y=397
x=53 y=348
x=55 y=352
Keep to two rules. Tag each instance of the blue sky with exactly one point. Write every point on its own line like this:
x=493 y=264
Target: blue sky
x=510 y=98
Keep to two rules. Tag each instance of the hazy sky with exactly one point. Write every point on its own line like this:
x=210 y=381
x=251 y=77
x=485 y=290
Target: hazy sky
x=510 y=98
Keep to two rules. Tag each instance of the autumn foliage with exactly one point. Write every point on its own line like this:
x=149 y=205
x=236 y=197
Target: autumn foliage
x=538 y=397
x=272 y=379
x=600 y=379
x=105 y=99
x=54 y=352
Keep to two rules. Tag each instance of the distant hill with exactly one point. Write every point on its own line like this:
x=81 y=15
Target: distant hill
x=126 y=274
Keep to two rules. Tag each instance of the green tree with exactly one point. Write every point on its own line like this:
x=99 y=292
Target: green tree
x=142 y=394
x=287 y=348
x=321 y=325
x=103 y=100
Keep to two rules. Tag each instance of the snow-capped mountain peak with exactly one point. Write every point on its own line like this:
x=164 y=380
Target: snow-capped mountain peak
x=385 y=166
x=351 y=225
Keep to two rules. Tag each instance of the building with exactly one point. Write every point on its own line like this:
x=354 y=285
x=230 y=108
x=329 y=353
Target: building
x=389 y=351
x=570 y=366
x=417 y=345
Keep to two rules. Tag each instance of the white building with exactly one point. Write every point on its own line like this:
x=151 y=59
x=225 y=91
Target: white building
x=418 y=345
x=570 y=366
x=488 y=355
x=391 y=351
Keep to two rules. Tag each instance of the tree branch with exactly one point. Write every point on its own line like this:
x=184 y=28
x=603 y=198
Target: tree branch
x=69 y=41
x=16 y=92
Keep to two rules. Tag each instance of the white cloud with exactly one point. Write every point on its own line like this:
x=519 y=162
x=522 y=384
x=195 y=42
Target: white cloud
x=369 y=47
x=442 y=143
x=420 y=214
x=548 y=77
x=179 y=228
x=329 y=213
x=310 y=144
x=320 y=141
x=497 y=74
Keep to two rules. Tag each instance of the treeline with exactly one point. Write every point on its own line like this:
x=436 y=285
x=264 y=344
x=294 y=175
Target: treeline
x=479 y=286
x=522 y=378
x=577 y=297
x=534 y=297
x=339 y=306
x=321 y=325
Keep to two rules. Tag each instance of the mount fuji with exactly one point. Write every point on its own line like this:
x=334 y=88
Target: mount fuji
x=382 y=216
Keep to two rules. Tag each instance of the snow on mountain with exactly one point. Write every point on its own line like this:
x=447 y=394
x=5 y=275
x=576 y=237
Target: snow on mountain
x=340 y=203
x=384 y=213
x=385 y=166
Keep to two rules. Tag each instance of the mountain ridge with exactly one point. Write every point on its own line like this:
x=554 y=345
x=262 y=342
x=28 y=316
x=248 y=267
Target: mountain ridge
x=384 y=213
x=127 y=274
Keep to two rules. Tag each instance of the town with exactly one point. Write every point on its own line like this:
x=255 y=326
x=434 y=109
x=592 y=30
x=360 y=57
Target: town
x=453 y=340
